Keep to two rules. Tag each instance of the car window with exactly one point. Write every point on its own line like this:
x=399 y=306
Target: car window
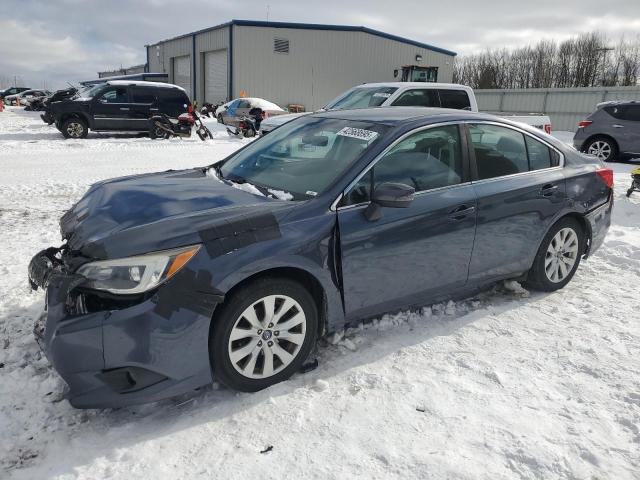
x=627 y=112
x=498 y=150
x=116 y=95
x=418 y=98
x=540 y=155
x=425 y=160
x=457 y=99
x=142 y=95
x=362 y=97
x=244 y=104
x=172 y=102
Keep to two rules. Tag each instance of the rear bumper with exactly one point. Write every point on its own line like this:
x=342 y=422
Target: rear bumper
x=146 y=352
x=599 y=221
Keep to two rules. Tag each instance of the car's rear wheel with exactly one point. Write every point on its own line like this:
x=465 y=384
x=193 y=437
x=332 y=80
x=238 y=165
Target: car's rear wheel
x=604 y=148
x=74 y=128
x=263 y=334
x=558 y=256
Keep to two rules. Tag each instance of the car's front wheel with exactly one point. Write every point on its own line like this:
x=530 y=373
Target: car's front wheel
x=558 y=256
x=263 y=334
x=604 y=148
x=74 y=128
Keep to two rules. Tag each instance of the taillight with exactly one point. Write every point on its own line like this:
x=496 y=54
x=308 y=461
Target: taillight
x=584 y=123
x=547 y=128
x=606 y=175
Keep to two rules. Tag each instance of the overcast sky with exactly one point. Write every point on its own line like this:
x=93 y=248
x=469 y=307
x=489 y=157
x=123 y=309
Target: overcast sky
x=54 y=41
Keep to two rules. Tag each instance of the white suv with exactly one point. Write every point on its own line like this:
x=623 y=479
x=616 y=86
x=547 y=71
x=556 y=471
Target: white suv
x=392 y=94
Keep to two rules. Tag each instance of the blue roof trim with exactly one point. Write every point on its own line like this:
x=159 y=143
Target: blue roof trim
x=319 y=26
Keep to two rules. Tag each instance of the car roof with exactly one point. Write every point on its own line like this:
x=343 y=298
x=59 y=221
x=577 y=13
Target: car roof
x=448 y=86
x=142 y=83
x=397 y=115
x=617 y=102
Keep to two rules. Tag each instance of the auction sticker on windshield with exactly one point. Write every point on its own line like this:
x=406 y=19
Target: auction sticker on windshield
x=360 y=133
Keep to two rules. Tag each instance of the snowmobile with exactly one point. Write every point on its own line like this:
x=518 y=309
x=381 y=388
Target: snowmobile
x=635 y=182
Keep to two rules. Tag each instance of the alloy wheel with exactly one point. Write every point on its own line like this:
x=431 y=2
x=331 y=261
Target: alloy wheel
x=75 y=129
x=600 y=149
x=267 y=336
x=561 y=255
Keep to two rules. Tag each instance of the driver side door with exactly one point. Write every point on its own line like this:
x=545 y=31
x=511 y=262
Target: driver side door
x=111 y=109
x=413 y=254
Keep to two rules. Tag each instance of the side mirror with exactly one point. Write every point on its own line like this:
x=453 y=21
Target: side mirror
x=390 y=195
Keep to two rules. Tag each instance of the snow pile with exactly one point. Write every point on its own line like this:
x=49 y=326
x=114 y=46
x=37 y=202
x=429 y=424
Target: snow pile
x=507 y=384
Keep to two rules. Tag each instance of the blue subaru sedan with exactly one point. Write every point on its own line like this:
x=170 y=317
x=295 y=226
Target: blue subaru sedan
x=167 y=281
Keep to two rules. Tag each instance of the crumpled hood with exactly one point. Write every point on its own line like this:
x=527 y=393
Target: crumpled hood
x=143 y=213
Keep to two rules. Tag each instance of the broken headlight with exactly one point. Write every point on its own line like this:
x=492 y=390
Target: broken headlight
x=138 y=274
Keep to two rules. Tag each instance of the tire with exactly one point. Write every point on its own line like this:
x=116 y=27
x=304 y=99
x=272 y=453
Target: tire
x=605 y=148
x=547 y=273
x=242 y=367
x=74 y=128
x=156 y=132
x=220 y=119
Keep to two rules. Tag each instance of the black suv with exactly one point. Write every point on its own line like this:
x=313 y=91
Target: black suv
x=12 y=91
x=118 y=105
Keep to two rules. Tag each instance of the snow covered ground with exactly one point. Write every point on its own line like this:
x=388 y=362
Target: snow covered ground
x=508 y=384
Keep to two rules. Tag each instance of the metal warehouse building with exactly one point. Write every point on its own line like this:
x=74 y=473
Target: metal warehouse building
x=288 y=63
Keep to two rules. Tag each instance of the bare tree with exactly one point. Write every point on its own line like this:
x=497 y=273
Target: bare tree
x=582 y=61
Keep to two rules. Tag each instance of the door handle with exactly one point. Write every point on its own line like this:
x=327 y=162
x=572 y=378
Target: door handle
x=124 y=108
x=548 y=190
x=617 y=125
x=461 y=212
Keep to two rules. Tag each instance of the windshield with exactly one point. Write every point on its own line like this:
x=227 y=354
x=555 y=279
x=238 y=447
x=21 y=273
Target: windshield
x=362 y=97
x=302 y=158
x=93 y=91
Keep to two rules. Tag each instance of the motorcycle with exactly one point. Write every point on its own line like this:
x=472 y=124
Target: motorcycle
x=248 y=126
x=163 y=126
x=56 y=96
x=209 y=109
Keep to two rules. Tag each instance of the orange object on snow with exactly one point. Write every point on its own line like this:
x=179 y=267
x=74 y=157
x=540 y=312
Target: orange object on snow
x=1 y=105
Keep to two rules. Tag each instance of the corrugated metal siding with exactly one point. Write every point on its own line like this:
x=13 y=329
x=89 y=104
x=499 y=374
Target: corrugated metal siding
x=565 y=106
x=320 y=64
x=207 y=42
x=160 y=55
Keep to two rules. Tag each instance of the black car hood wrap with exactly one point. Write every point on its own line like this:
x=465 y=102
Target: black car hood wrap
x=144 y=213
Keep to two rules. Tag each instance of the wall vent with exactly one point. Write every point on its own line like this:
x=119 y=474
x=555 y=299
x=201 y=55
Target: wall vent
x=281 y=45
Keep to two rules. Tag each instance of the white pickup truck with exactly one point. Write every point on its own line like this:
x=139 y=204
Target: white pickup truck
x=410 y=94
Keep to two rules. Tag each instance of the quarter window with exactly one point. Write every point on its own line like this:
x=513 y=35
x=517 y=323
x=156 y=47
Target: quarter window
x=418 y=98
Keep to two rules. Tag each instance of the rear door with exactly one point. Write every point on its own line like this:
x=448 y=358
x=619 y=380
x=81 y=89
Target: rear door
x=111 y=109
x=143 y=104
x=625 y=126
x=520 y=188
x=410 y=254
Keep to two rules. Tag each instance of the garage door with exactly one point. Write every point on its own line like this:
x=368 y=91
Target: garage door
x=215 y=76
x=182 y=73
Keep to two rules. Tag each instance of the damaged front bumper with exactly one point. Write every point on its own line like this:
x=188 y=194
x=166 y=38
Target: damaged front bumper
x=113 y=351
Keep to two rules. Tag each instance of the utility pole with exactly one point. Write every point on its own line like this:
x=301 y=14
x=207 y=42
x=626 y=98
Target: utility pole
x=604 y=51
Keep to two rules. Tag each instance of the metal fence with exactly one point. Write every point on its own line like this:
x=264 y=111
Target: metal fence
x=565 y=106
